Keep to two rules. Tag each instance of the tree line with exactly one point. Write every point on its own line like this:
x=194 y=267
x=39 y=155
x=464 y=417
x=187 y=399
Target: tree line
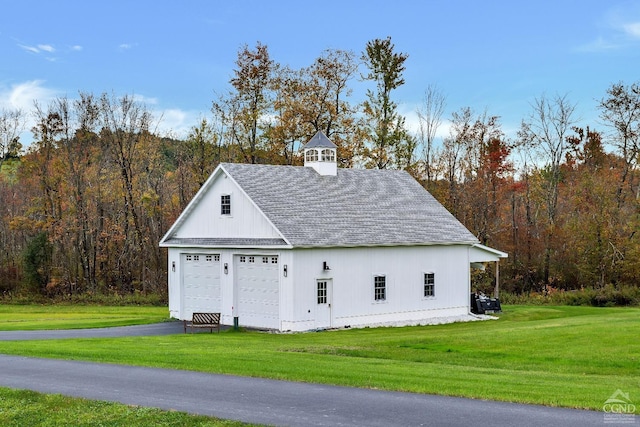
x=82 y=209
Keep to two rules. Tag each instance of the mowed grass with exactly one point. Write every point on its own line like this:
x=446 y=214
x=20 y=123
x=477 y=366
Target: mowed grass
x=20 y=408
x=559 y=356
x=36 y=317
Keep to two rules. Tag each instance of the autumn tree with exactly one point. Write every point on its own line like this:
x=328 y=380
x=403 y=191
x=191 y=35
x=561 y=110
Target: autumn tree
x=545 y=133
x=245 y=109
x=11 y=124
x=429 y=120
x=202 y=151
x=77 y=147
x=620 y=111
x=475 y=156
x=315 y=99
x=389 y=144
x=124 y=126
x=453 y=153
x=50 y=124
x=595 y=247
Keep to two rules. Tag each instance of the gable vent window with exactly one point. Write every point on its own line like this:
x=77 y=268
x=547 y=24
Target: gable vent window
x=225 y=204
x=380 y=288
x=429 y=285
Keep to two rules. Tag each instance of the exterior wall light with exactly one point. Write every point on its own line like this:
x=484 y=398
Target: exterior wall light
x=284 y=270
x=325 y=266
x=226 y=268
x=173 y=266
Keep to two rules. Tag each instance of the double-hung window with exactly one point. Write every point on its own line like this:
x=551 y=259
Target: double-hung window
x=429 y=285
x=225 y=204
x=379 y=288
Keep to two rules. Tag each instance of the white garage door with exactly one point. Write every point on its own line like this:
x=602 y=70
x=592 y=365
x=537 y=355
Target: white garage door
x=201 y=279
x=257 y=288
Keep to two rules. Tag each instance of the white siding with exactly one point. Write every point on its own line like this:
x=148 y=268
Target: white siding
x=205 y=219
x=174 y=281
x=352 y=272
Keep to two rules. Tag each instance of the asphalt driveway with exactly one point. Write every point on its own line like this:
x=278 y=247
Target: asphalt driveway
x=255 y=400
x=163 y=328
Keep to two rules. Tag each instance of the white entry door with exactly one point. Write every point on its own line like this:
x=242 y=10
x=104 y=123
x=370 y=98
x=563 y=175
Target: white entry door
x=257 y=291
x=201 y=281
x=324 y=292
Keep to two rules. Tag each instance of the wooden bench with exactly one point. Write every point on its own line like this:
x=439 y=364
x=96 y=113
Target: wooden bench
x=203 y=320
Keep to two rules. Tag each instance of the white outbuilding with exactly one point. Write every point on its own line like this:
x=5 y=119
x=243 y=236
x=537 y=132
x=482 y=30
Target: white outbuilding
x=296 y=248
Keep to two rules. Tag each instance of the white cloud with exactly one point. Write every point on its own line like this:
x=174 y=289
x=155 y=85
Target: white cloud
x=31 y=49
x=412 y=121
x=126 y=46
x=38 y=49
x=619 y=28
x=632 y=29
x=175 y=122
x=46 y=48
x=22 y=95
x=76 y=48
x=145 y=99
x=598 y=45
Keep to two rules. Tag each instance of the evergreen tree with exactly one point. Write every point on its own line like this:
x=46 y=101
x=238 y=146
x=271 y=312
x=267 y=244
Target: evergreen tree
x=389 y=142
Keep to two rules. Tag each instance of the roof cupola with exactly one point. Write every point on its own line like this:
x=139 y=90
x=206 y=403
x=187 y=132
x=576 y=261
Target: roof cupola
x=320 y=154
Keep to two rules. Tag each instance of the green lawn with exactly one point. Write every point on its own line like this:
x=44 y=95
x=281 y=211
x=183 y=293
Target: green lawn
x=20 y=408
x=34 y=317
x=560 y=356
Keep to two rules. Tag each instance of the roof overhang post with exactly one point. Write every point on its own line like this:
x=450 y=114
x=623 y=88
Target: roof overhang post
x=496 y=289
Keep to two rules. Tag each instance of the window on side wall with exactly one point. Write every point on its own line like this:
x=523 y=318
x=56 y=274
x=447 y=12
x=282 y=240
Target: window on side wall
x=225 y=204
x=380 y=288
x=429 y=285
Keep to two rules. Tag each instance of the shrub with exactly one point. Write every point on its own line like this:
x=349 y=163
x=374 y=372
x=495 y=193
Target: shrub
x=36 y=261
x=607 y=296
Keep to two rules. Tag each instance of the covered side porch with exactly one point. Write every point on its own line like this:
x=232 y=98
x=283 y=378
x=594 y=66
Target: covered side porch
x=481 y=255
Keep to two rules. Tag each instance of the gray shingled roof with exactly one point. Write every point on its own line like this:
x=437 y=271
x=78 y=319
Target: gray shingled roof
x=358 y=207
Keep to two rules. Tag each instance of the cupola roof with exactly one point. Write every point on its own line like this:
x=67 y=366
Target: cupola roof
x=320 y=140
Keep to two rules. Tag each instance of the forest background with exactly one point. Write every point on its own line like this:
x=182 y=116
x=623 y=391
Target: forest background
x=83 y=207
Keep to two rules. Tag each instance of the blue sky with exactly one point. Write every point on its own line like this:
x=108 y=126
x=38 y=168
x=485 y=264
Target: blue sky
x=496 y=56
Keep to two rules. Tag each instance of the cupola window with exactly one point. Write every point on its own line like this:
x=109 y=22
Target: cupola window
x=312 y=156
x=328 y=155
